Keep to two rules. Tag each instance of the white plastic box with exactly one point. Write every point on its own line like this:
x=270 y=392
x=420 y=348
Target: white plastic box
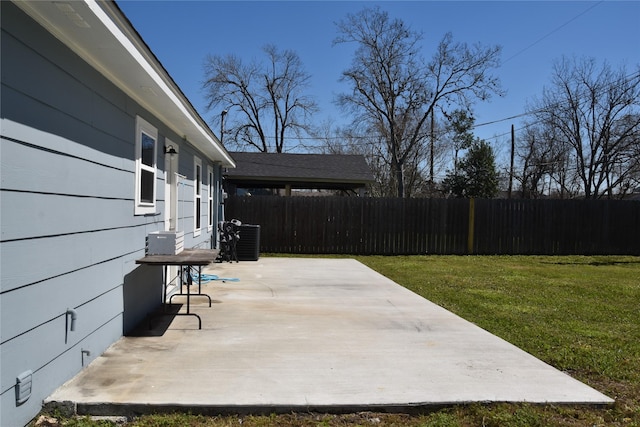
x=165 y=242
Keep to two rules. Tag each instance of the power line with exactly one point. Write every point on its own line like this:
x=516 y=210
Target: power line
x=501 y=120
x=622 y=81
x=559 y=104
x=552 y=32
x=555 y=30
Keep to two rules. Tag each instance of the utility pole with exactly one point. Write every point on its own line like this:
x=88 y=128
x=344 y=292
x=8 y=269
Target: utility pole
x=222 y=114
x=513 y=144
x=433 y=143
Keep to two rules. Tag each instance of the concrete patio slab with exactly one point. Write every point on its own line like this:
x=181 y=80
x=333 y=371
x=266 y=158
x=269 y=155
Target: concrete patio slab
x=326 y=335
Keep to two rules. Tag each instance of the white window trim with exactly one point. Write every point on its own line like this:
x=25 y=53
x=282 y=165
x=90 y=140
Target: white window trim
x=210 y=205
x=197 y=197
x=142 y=126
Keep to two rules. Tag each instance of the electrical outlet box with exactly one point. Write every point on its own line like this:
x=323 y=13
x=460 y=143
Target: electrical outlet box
x=23 y=387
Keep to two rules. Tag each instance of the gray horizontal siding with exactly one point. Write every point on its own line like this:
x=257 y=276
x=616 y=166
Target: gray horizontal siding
x=59 y=214
x=58 y=168
x=69 y=237
x=47 y=378
x=66 y=254
x=50 y=88
x=49 y=299
x=54 y=336
x=98 y=137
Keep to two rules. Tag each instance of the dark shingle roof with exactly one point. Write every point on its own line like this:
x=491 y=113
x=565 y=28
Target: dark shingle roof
x=300 y=169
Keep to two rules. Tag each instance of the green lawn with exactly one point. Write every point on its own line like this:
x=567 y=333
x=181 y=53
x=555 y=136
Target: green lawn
x=579 y=314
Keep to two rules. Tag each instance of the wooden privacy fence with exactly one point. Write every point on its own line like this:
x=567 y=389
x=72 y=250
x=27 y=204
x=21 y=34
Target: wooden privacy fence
x=383 y=226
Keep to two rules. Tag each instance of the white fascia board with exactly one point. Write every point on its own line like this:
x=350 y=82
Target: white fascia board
x=155 y=76
x=108 y=22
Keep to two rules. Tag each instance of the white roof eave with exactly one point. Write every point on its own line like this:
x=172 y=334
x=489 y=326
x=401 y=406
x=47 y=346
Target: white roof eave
x=102 y=36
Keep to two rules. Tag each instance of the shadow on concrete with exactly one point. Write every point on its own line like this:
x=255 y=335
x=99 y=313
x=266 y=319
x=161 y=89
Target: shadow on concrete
x=156 y=323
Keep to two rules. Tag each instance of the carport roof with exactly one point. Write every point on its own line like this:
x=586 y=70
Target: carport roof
x=299 y=170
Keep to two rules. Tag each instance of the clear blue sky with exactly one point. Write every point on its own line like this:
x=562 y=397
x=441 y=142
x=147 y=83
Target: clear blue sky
x=532 y=33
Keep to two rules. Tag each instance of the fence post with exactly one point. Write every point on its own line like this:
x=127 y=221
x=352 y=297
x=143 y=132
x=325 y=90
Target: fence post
x=472 y=220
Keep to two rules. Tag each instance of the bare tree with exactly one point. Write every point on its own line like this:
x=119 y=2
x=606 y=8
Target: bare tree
x=368 y=143
x=395 y=90
x=266 y=101
x=595 y=113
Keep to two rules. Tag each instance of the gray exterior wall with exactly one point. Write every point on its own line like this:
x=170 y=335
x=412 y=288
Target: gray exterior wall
x=69 y=236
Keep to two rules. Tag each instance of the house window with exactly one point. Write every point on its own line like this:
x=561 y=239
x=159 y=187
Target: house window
x=197 y=186
x=146 y=154
x=210 y=199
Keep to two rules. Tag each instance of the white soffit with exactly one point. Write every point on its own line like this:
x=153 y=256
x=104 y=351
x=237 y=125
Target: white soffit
x=100 y=34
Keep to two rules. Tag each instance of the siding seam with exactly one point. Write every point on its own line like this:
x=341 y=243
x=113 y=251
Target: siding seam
x=60 y=153
x=49 y=236
x=57 y=317
x=80 y=196
x=70 y=272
